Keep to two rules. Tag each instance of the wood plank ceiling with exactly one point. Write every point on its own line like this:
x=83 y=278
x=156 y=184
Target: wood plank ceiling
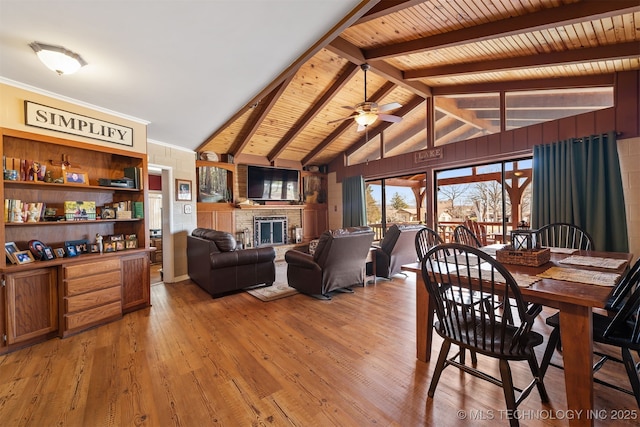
x=416 y=49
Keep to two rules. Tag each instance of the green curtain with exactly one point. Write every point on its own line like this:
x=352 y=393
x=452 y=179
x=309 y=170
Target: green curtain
x=353 y=202
x=578 y=181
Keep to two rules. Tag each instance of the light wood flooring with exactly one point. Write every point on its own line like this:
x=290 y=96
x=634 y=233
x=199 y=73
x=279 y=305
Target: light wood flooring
x=191 y=360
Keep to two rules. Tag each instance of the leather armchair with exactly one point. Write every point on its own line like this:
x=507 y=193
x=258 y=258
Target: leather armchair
x=398 y=247
x=216 y=265
x=337 y=263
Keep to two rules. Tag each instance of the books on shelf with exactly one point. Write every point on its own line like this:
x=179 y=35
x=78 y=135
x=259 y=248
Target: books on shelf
x=17 y=211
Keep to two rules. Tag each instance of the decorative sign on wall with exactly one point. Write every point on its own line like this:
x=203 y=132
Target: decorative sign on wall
x=64 y=121
x=426 y=155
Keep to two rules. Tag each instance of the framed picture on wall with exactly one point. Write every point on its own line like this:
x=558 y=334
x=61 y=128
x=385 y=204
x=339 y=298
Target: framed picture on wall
x=183 y=190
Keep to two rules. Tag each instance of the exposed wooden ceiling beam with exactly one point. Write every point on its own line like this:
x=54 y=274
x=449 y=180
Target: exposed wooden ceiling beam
x=591 y=54
x=556 y=83
x=537 y=21
x=384 y=90
x=386 y=7
x=352 y=53
x=347 y=73
x=261 y=110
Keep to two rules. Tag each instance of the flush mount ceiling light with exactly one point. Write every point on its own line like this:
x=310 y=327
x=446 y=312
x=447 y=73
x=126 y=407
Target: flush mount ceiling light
x=57 y=58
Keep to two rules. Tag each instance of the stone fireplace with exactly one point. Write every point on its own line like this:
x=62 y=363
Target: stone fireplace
x=270 y=230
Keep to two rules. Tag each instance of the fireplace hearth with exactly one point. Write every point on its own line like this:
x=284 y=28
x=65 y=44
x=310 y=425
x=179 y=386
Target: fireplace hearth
x=270 y=230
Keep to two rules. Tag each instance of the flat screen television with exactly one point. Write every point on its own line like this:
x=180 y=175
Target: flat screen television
x=267 y=183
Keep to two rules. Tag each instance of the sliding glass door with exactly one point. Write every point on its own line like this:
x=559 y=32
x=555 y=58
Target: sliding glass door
x=496 y=195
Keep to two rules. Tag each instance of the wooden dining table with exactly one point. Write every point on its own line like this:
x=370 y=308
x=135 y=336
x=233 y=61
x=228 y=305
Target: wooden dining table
x=574 y=300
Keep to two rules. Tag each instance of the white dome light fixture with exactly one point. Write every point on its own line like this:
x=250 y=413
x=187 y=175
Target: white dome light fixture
x=57 y=58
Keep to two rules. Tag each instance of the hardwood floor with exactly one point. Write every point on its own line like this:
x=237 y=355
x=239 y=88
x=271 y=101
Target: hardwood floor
x=191 y=360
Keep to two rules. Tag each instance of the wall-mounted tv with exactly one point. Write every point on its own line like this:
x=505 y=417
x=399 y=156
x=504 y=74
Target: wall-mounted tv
x=267 y=183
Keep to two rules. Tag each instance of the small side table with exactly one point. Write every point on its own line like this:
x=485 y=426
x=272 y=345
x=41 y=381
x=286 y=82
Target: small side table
x=371 y=258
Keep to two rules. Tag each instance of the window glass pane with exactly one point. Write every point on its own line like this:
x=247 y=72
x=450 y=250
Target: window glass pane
x=461 y=117
x=368 y=152
x=373 y=194
x=527 y=108
x=479 y=193
x=398 y=200
x=409 y=136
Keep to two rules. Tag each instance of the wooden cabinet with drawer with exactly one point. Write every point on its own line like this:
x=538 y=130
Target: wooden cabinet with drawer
x=92 y=294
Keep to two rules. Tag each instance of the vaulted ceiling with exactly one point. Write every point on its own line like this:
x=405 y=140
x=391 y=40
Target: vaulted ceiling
x=417 y=49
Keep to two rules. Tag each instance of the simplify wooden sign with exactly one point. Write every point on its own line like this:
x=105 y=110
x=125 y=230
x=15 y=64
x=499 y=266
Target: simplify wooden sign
x=64 y=121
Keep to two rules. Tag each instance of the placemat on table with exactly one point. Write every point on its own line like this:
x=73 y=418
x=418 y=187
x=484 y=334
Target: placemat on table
x=599 y=262
x=591 y=277
x=562 y=250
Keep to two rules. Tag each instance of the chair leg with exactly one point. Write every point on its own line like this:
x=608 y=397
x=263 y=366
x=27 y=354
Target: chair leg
x=442 y=359
x=509 y=394
x=538 y=375
x=631 y=373
x=554 y=339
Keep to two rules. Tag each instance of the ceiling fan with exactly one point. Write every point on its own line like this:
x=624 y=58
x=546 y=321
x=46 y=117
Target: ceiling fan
x=366 y=113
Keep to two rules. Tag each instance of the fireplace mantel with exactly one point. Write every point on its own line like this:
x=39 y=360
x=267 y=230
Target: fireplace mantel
x=271 y=207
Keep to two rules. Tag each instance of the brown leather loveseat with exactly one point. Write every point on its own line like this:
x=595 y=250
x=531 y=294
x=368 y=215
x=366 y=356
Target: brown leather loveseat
x=218 y=267
x=336 y=265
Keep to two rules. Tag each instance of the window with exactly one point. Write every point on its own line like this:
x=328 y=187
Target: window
x=497 y=195
x=394 y=201
x=461 y=117
x=527 y=108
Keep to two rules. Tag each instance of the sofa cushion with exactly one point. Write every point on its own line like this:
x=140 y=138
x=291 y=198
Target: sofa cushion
x=223 y=240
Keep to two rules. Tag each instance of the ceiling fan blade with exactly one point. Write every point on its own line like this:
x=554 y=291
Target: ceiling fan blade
x=389 y=106
x=389 y=118
x=341 y=120
x=348 y=107
x=361 y=128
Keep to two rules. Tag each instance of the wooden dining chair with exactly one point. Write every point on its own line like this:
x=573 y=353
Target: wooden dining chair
x=453 y=268
x=620 y=328
x=478 y=230
x=564 y=235
x=425 y=240
x=465 y=236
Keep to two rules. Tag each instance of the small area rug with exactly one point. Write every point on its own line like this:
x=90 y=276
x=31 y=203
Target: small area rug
x=273 y=292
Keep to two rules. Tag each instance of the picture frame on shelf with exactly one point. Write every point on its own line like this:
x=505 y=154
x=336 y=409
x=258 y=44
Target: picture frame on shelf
x=59 y=252
x=108 y=213
x=131 y=243
x=75 y=177
x=109 y=246
x=37 y=248
x=81 y=246
x=94 y=248
x=183 y=190
x=10 y=250
x=71 y=250
x=47 y=254
x=24 y=257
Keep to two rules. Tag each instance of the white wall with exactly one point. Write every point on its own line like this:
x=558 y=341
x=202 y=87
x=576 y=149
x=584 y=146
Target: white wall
x=178 y=164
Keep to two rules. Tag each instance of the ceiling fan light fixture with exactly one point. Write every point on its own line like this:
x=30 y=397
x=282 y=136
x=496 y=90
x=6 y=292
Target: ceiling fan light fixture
x=366 y=119
x=57 y=58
